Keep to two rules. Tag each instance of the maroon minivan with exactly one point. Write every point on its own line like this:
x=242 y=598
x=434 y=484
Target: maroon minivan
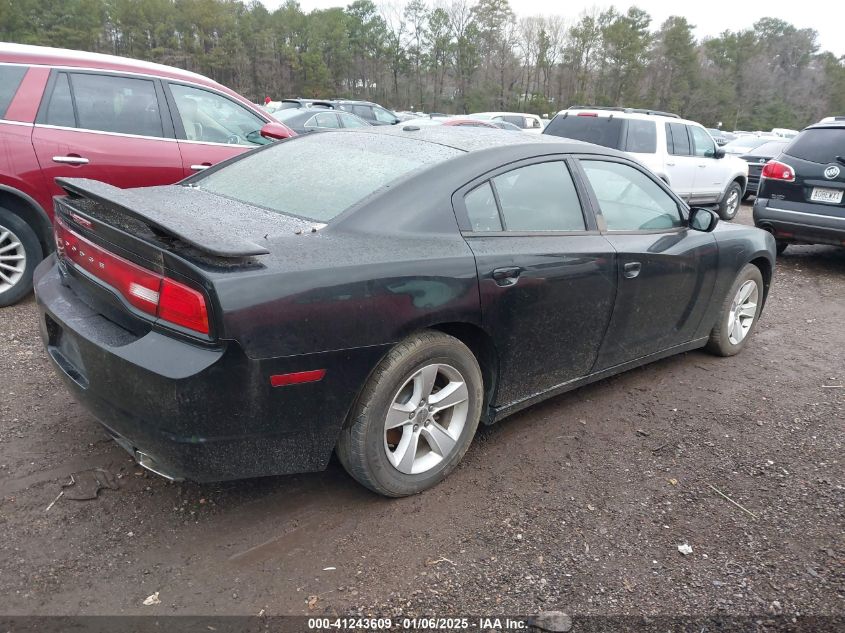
x=126 y=122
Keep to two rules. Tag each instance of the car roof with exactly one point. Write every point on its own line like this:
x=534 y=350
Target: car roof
x=491 y=114
x=473 y=139
x=621 y=114
x=826 y=124
x=48 y=56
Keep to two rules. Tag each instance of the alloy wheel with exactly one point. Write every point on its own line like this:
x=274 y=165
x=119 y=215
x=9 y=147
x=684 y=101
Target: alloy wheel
x=426 y=418
x=12 y=259
x=732 y=203
x=743 y=312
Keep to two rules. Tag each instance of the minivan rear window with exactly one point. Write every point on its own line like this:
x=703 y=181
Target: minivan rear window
x=818 y=145
x=319 y=176
x=601 y=130
x=10 y=79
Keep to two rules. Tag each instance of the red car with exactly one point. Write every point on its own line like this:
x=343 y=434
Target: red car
x=126 y=122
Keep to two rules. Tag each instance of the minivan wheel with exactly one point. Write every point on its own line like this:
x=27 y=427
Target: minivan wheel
x=415 y=417
x=739 y=313
x=20 y=253
x=729 y=205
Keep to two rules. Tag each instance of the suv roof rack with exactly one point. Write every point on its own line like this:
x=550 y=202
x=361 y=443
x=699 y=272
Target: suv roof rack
x=626 y=110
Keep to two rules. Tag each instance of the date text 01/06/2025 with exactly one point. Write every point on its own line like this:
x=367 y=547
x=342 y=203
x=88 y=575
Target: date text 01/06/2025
x=419 y=624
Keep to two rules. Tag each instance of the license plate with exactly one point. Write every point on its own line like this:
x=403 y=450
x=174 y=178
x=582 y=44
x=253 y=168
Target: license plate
x=831 y=196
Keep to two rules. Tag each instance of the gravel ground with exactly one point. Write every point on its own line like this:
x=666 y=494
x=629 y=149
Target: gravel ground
x=577 y=504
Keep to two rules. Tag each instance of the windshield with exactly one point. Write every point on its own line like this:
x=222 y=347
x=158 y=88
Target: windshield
x=318 y=176
x=601 y=130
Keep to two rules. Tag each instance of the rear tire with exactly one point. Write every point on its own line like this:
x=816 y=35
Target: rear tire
x=739 y=314
x=20 y=253
x=393 y=443
x=729 y=206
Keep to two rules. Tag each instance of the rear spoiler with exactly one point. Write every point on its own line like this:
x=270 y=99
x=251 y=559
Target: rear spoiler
x=171 y=214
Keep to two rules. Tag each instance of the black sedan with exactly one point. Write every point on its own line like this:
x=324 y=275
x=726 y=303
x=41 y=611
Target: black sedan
x=378 y=293
x=756 y=159
x=315 y=118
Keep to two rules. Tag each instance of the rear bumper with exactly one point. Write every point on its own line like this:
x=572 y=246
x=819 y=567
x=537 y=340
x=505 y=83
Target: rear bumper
x=800 y=222
x=193 y=412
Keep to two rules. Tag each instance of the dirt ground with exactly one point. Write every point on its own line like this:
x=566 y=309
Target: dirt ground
x=577 y=504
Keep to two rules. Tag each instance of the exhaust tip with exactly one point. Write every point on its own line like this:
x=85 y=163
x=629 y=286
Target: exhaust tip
x=147 y=461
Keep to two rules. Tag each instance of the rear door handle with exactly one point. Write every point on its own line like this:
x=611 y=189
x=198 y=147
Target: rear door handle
x=631 y=269
x=670 y=164
x=507 y=276
x=71 y=160
x=201 y=166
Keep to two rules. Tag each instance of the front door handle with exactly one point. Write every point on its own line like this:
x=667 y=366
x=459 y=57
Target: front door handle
x=507 y=276
x=72 y=159
x=201 y=166
x=670 y=164
x=631 y=269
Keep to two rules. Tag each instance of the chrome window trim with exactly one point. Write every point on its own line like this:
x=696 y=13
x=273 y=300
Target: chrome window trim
x=10 y=122
x=85 y=130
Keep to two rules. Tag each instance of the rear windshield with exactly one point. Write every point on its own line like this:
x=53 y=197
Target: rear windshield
x=10 y=79
x=601 y=130
x=318 y=176
x=772 y=148
x=818 y=145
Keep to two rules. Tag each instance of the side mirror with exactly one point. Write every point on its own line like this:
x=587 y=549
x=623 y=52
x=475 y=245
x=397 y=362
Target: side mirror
x=701 y=219
x=719 y=153
x=275 y=131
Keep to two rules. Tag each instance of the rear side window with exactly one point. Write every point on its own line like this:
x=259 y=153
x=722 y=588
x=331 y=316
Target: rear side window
x=677 y=140
x=10 y=78
x=324 y=119
x=116 y=104
x=482 y=209
x=539 y=197
x=319 y=176
x=818 y=145
x=601 y=130
x=60 y=107
x=641 y=137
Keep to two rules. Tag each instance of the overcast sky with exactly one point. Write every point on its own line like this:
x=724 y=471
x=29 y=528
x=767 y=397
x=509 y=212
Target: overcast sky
x=710 y=17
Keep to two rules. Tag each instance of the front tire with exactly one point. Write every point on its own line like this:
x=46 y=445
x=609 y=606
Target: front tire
x=739 y=313
x=729 y=206
x=20 y=253
x=415 y=417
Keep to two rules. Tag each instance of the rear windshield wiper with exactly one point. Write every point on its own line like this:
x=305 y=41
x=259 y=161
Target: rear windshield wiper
x=841 y=159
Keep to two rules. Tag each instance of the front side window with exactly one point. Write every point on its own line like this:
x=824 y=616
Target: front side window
x=350 y=120
x=124 y=105
x=518 y=121
x=324 y=120
x=60 y=106
x=539 y=197
x=10 y=78
x=212 y=118
x=642 y=137
x=677 y=140
x=383 y=116
x=319 y=176
x=365 y=112
x=703 y=143
x=630 y=200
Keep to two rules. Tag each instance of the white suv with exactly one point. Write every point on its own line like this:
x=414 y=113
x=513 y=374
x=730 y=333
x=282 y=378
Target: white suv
x=680 y=152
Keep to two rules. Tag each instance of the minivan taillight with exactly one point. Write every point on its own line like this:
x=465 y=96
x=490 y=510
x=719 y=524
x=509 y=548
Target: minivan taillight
x=149 y=292
x=776 y=170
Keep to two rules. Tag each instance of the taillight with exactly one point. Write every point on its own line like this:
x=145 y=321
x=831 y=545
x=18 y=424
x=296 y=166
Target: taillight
x=149 y=292
x=776 y=170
